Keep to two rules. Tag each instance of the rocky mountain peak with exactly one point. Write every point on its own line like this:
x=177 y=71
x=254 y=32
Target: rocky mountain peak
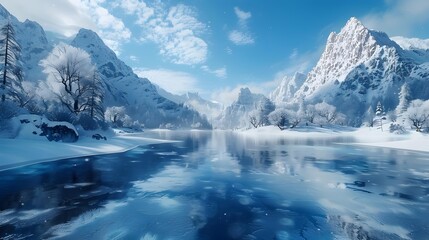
x=89 y=36
x=245 y=97
x=353 y=45
x=108 y=63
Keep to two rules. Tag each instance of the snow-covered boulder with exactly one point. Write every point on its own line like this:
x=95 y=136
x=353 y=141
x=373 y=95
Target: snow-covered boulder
x=36 y=127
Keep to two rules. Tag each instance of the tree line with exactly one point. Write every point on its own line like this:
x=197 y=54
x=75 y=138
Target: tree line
x=409 y=114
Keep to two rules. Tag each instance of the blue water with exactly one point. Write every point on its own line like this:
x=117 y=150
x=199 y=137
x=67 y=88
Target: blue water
x=219 y=185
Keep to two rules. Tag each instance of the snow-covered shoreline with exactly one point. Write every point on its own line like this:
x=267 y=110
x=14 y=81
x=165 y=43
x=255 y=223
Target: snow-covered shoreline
x=365 y=136
x=21 y=152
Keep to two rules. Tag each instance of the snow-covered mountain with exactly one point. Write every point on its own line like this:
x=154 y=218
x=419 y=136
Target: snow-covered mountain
x=287 y=88
x=139 y=95
x=208 y=108
x=360 y=67
x=122 y=86
x=237 y=114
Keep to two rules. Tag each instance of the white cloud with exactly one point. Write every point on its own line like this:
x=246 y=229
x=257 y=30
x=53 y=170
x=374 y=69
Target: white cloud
x=176 y=30
x=402 y=17
x=241 y=35
x=241 y=38
x=173 y=81
x=140 y=8
x=67 y=17
x=220 y=72
x=242 y=15
x=134 y=58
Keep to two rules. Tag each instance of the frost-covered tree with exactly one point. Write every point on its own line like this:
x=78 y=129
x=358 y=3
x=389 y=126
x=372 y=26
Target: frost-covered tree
x=418 y=113
x=279 y=118
x=326 y=113
x=254 y=119
x=259 y=116
x=117 y=117
x=70 y=74
x=310 y=113
x=293 y=117
x=340 y=119
x=11 y=71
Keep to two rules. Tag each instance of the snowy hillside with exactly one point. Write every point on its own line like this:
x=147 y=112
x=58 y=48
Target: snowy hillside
x=121 y=86
x=360 y=67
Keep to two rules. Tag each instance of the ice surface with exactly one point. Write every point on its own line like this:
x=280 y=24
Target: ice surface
x=260 y=186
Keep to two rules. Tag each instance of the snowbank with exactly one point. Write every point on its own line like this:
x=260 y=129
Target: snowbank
x=29 y=126
x=19 y=152
x=32 y=145
x=413 y=141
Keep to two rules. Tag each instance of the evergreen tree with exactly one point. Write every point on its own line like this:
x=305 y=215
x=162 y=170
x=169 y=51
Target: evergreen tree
x=380 y=115
x=379 y=109
x=11 y=72
x=95 y=98
x=404 y=102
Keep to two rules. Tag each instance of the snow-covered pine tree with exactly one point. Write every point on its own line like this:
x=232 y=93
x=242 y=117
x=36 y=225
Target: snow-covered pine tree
x=380 y=115
x=95 y=98
x=379 y=109
x=404 y=102
x=92 y=115
x=11 y=72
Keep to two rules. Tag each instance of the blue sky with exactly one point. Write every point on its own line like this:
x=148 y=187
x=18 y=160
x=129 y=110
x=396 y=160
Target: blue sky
x=216 y=47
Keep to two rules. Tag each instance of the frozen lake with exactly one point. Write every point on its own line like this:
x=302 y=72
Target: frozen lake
x=220 y=185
